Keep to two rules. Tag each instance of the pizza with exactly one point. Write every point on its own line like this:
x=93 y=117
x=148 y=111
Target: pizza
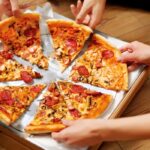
x=11 y=70
x=65 y=100
x=99 y=66
x=68 y=40
x=22 y=37
x=14 y=100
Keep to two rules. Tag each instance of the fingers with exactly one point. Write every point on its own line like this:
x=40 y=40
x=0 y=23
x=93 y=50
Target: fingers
x=128 y=47
x=83 y=12
x=97 y=14
x=76 y=9
x=127 y=57
x=68 y=122
x=14 y=5
x=73 y=10
x=15 y=8
x=87 y=19
x=95 y=18
x=58 y=136
x=79 y=5
x=62 y=135
x=133 y=67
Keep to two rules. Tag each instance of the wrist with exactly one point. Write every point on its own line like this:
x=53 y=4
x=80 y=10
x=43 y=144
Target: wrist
x=106 y=129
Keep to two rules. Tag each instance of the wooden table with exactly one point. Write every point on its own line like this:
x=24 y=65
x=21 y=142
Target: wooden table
x=128 y=24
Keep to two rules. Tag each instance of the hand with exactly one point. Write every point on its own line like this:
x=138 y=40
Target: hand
x=11 y=7
x=136 y=53
x=92 y=131
x=81 y=132
x=90 y=12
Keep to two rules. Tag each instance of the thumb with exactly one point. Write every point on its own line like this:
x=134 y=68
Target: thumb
x=68 y=122
x=128 y=47
x=127 y=57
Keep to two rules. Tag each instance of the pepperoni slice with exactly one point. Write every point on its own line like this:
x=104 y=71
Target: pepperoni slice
x=30 y=32
x=74 y=112
x=6 y=54
x=83 y=71
x=30 y=42
x=98 y=64
x=6 y=97
x=19 y=105
x=107 y=54
x=72 y=51
x=95 y=42
x=51 y=88
x=25 y=55
x=75 y=79
x=41 y=114
x=77 y=89
x=94 y=93
x=55 y=120
x=78 y=98
x=71 y=43
x=49 y=101
x=56 y=93
x=1 y=61
x=84 y=95
x=36 y=89
x=26 y=77
x=38 y=75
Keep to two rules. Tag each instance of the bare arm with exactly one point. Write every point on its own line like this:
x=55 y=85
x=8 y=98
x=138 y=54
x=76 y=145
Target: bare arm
x=92 y=131
x=129 y=128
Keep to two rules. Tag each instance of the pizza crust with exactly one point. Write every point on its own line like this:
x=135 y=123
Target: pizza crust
x=67 y=23
x=9 y=20
x=107 y=44
x=31 y=129
x=5 y=118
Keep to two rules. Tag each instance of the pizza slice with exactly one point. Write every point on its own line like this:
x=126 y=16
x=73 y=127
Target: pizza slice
x=11 y=70
x=68 y=40
x=82 y=102
x=51 y=110
x=22 y=37
x=14 y=100
x=64 y=100
x=105 y=71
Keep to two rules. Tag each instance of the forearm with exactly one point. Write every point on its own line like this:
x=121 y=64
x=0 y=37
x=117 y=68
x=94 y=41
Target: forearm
x=127 y=128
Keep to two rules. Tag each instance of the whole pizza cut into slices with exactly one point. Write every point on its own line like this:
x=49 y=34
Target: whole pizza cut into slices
x=14 y=100
x=65 y=100
x=68 y=40
x=22 y=37
x=11 y=70
x=99 y=66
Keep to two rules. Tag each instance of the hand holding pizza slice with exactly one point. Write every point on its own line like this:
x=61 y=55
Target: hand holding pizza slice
x=65 y=100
